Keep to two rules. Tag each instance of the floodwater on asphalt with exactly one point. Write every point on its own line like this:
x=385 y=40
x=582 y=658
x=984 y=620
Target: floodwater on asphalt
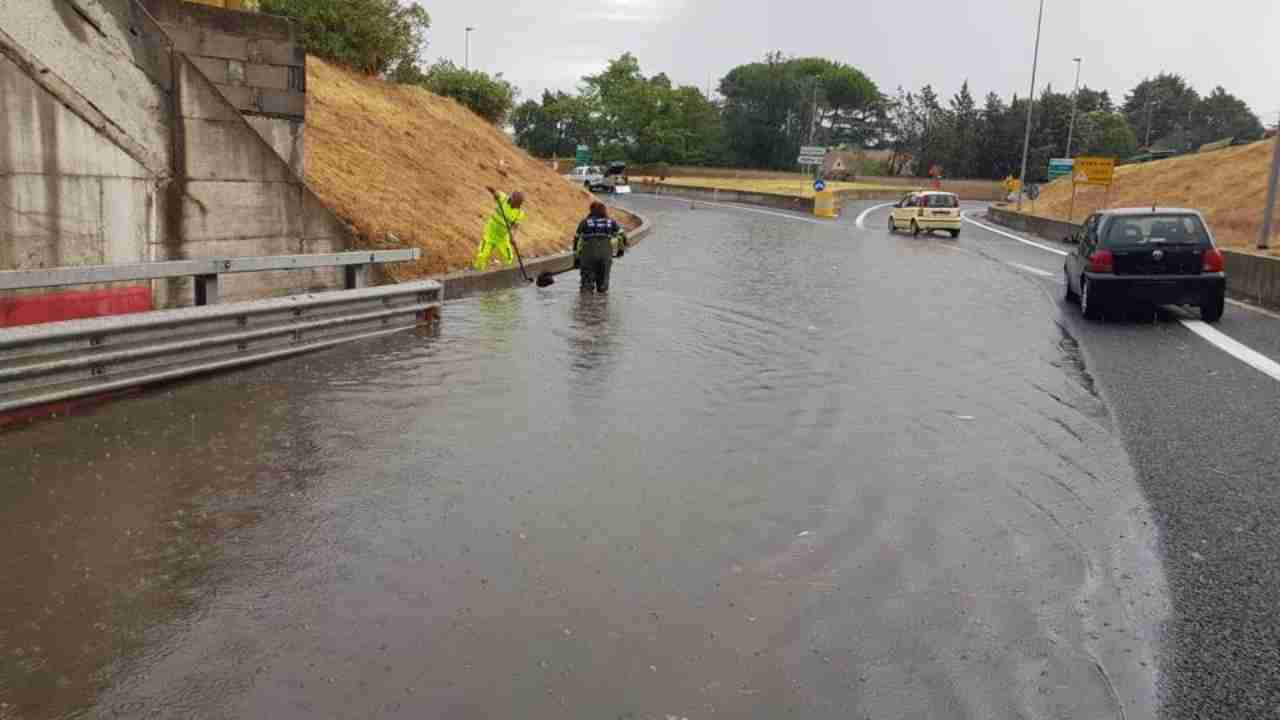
x=785 y=467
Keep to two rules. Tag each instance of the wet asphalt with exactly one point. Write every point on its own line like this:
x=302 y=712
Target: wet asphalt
x=788 y=467
x=1200 y=427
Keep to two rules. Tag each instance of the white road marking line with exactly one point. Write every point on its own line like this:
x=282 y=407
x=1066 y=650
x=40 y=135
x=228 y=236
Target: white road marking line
x=1011 y=236
x=743 y=209
x=1238 y=350
x=862 y=218
x=1032 y=270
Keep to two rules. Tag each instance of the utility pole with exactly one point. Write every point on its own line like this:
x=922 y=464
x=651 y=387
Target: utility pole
x=1268 y=214
x=1031 y=103
x=466 y=63
x=1071 y=129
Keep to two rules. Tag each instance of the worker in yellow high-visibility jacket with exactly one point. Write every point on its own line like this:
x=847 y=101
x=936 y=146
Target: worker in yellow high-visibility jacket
x=497 y=231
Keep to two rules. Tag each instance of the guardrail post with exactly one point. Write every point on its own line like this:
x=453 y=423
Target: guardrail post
x=357 y=276
x=206 y=289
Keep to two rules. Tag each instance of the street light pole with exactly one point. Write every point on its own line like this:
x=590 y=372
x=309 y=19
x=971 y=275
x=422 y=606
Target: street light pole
x=1031 y=103
x=466 y=63
x=1268 y=214
x=1071 y=129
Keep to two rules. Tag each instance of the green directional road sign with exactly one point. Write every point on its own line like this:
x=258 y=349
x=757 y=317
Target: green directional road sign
x=584 y=155
x=1060 y=167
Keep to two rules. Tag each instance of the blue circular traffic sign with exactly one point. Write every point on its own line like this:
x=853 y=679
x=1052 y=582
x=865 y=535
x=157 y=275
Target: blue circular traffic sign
x=819 y=186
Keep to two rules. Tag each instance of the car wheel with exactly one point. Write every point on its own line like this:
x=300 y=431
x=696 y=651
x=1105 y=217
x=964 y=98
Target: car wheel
x=954 y=234
x=893 y=227
x=1072 y=297
x=1212 y=311
x=1089 y=307
x=915 y=229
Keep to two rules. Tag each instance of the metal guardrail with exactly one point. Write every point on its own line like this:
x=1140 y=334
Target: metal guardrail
x=205 y=271
x=43 y=364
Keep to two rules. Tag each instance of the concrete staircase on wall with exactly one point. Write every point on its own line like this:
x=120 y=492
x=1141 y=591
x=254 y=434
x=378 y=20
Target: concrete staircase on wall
x=115 y=146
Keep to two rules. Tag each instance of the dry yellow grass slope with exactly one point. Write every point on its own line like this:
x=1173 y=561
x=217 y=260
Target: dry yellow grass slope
x=395 y=158
x=1228 y=186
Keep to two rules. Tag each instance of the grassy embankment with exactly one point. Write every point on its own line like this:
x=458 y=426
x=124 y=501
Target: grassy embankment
x=394 y=158
x=1229 y=186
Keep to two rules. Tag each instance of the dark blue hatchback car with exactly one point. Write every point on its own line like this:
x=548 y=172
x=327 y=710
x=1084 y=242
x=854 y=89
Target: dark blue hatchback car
x=1146 y=256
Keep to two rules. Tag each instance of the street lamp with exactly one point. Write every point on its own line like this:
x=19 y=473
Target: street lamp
x=1031 y=103
x=1268 y=214
x=1071 y=129
x=466 y=63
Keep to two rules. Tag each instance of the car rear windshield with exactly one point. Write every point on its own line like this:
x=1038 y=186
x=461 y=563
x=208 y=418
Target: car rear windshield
x=1156 y=229
x=941 y=201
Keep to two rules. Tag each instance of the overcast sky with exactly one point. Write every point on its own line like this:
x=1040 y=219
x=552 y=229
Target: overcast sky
x=541 y=44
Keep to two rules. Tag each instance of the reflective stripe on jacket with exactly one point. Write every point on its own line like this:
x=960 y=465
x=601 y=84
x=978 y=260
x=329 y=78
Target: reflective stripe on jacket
x=595 y=235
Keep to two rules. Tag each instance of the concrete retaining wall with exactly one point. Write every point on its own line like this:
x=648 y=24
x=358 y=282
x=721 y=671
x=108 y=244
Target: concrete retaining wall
x=68 y=196
x=239 y=197
x=115 y=147
x=106 y=60
x=257 y=62
x=1251 y=278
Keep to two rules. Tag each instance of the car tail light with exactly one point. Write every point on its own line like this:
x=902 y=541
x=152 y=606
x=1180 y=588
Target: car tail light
x=1212 y=259
x=1102 y=261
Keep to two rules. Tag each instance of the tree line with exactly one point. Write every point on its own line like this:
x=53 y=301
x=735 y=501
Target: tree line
x=766 y=110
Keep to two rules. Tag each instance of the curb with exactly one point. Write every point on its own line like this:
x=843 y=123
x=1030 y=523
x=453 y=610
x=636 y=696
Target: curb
x=464 y=283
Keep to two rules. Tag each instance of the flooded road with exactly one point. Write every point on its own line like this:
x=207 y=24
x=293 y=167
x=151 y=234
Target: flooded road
x=783 y=468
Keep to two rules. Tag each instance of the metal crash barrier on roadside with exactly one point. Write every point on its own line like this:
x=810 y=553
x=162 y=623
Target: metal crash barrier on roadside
x=56 y=362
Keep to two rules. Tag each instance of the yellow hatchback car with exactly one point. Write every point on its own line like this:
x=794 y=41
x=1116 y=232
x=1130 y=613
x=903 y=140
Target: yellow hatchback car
x=926 y=212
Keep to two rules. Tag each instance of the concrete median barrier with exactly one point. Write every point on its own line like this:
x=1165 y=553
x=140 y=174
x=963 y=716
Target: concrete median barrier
x=1042 y=227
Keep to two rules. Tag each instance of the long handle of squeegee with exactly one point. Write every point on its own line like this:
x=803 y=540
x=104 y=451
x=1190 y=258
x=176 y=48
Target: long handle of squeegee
x=511 y=235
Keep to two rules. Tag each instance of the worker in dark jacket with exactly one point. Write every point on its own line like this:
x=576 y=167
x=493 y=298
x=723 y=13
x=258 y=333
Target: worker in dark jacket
x=594 y=247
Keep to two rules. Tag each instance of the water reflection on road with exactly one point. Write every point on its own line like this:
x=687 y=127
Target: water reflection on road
x=780 y=468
